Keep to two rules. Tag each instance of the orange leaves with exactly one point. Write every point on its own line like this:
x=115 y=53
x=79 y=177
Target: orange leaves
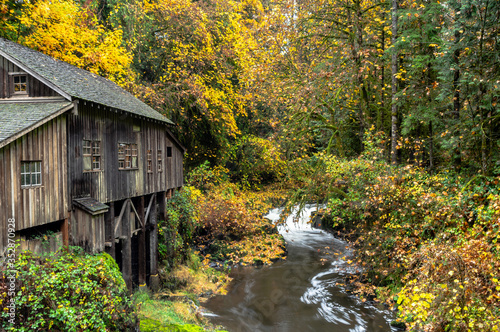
x=232 y=227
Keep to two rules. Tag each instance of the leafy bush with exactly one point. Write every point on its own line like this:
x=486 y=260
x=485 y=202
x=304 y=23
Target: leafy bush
x=225 y=215
x=452 y=288
x=177 y=232
x=232 y=228
x=69 y=291
x=203 y=177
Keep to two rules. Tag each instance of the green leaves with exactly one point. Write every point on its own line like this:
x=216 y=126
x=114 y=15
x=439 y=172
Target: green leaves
x=70 y=292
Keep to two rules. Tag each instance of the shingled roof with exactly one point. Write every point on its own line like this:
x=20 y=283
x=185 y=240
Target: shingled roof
x=16 y=119
x=75 y=83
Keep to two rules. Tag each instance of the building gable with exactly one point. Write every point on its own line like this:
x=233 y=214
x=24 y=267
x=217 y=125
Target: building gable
x=17 y=84
x=74 y=83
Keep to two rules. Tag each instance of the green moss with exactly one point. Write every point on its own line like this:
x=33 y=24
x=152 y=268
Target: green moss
x=151 y=325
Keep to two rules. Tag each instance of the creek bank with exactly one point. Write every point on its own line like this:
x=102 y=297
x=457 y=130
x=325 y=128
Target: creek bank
x=301 y=293
x=423 y=241
x=321 y=220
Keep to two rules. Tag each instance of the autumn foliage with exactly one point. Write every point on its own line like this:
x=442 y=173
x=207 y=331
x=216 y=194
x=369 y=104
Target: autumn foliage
x=223 y=222
x=65 y=31
x=233 y=229
x=302 y=92
x=427 y=244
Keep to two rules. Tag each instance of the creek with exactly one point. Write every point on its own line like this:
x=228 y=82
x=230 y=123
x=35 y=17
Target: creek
x=302 y=293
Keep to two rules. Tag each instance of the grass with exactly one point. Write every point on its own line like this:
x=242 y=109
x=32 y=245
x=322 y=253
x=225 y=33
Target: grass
x=175 y=308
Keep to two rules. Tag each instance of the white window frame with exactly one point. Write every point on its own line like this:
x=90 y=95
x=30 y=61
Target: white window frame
x=31 y=173
x=23 y=83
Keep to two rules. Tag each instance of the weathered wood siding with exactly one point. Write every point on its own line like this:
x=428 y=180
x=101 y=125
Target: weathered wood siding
x=38 y=205
x=87 y=231
x=34 y=86
x=42 y=245
x=110 y=128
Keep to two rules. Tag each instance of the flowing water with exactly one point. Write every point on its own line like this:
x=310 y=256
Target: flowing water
x=302 y=293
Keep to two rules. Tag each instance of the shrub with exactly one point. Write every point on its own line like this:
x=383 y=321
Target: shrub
x=225 y=215
x=69 y=291
x=232 y=228
x=203 y=177
x=177 y=232
x=452 y=288
x=429 y=240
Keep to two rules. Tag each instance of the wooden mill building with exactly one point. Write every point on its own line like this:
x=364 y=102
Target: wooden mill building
x=83 y=160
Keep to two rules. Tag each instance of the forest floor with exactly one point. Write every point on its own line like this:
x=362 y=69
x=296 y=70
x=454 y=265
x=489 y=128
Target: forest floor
x=176 y=307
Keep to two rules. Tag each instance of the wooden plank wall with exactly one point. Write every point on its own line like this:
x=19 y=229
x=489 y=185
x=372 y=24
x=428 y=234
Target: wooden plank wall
x=87 y=231
x=110 y=128
x=53 y=243
x=38 y=205
x=35 y=87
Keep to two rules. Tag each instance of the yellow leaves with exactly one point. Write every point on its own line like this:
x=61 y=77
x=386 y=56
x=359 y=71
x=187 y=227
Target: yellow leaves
x=64 y=30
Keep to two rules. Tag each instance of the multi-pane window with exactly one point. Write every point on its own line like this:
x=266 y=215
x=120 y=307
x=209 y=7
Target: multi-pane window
x=127 y=156
x=149 y=161
x=91 y=155
x=20 y=84
x=96 y=155
x=160 y=161
x=133 y=148
x=31 y=173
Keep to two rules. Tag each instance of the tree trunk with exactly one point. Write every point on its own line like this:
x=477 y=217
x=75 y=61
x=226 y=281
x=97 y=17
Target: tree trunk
x=431 y=148
x=394 y=82
x=457 y=154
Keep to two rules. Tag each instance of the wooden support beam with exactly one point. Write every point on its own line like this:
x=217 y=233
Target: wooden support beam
x=126 y=245
x=149 y=208
x=112 y=229
x=120 y=217
x=137 y=214
x=162 y=205
x=153 y=241
x=65 y=232
x=142 y=245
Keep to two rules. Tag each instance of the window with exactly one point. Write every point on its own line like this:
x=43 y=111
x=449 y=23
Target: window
x=160 y=161
x=31 y=173
x=91 y=155
x=169 y=151
x=150 y=161
x=134 y=155
x=127 y=156
x=20 y=84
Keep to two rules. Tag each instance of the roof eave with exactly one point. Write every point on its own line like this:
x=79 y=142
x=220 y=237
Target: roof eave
x=176 y=141
x=166 y=121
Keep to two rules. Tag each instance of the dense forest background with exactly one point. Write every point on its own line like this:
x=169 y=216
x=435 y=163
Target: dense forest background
x=254 y=83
